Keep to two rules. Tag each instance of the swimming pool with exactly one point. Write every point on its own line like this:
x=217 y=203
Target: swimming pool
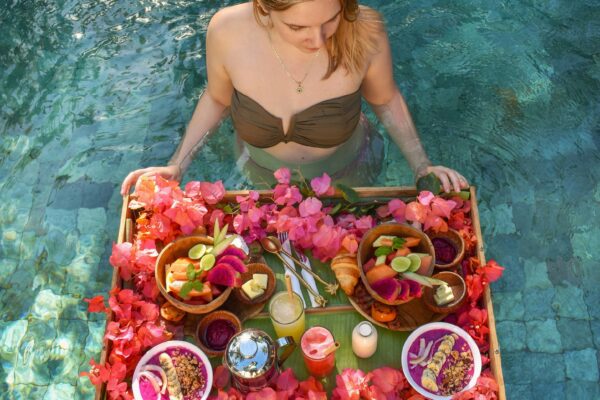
x=508 y=93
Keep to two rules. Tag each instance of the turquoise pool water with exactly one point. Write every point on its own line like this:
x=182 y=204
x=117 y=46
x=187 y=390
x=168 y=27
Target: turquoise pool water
x=506 y=92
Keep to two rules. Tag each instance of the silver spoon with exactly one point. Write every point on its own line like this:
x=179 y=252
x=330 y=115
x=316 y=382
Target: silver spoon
x=271 y=247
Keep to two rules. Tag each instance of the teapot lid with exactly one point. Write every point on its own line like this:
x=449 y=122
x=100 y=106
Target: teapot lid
x=250 y=353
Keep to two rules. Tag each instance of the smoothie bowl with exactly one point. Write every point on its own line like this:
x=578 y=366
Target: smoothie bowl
x=440 y=360
x=172 y=368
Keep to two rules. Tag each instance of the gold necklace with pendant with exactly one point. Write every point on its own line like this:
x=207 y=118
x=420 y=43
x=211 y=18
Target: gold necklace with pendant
x=299 y=87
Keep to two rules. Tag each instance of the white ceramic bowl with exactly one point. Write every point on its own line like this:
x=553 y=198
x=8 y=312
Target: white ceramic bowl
x=416 y=334
x=145 y=360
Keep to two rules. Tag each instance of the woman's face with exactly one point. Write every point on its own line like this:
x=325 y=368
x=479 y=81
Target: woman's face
x=309 y=24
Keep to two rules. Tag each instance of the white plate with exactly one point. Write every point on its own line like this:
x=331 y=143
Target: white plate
x=163 y=347
x=447 y=327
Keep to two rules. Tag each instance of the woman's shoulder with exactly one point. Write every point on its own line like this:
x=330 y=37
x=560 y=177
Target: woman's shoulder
x=232 y=20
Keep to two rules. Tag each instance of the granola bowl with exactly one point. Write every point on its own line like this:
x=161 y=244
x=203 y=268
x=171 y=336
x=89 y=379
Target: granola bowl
x=190 y=364
x=440 y=360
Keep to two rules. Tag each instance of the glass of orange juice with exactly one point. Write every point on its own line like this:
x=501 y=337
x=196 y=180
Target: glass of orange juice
x=287 y=314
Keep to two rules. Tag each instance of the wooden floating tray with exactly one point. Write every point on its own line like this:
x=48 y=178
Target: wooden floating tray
x=415 y=315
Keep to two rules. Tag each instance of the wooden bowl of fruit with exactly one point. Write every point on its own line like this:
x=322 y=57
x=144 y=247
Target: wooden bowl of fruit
x=395 y=261
x=196 y=274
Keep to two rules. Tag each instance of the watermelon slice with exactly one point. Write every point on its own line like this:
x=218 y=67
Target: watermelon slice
x=387 y=288
x=234 y=262
x=224 y=275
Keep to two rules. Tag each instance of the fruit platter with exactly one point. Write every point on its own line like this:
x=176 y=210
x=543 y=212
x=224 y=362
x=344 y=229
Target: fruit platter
x=205 y=273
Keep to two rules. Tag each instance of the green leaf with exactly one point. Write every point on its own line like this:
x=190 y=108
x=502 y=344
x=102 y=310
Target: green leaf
x=227 y=209
x=186 y=288
x=398 y=243
x=335 y=209
x=197 y=285
x=383 y=251
x=348 y=193
x=190 y=272
x=429 y=182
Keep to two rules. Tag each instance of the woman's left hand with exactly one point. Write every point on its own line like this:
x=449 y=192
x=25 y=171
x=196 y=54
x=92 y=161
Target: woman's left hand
x=450 y=179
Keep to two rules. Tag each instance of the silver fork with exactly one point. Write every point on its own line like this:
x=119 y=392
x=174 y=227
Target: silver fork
x=330 y=288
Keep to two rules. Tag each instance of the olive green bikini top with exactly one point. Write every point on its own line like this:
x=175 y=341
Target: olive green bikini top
x=325 y=124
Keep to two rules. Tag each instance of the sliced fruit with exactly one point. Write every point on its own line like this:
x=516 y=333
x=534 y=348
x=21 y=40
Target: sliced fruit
x=221 y=236
x=404 y=292
x=415 y=289
x=423 y=280
x=384 y=240
x=222 y=245
x=415 y=262
x=181 y=264
x=426 y=260
x=262 y=280
x=380 y=260
x=402 y=251
x=411 y=241
x=382 y=312
x=388 y=288
x=224 y=275
x=235 y=262
x=234 y=251
x=207 y=261
x=196 y=252
x=380 y=272
x=368 y=265
x=400 y=264
x=251 y=290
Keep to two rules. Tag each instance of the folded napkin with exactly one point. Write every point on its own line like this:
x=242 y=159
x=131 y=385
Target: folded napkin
x=308 y=277
x=295 y=282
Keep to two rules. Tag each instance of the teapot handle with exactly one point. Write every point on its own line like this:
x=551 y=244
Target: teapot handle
x=288 y=343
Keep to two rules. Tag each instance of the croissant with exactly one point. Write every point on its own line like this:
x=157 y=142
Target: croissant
x=345 y=268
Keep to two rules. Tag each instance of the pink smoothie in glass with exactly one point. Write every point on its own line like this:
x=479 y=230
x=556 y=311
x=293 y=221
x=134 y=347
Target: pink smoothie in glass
x=314 y=343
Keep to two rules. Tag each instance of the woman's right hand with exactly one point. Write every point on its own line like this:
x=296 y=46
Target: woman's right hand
x=170 y=172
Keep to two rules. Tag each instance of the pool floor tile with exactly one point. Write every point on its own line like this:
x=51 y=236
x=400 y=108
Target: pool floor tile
x=508 y=305
x=511 y=335
x=582 y=390
x=582 y=365
x=543 y=336
x=568 y=302
x=538 y=303
x=576 y=334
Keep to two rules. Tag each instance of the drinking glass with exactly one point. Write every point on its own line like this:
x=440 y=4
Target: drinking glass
x=287 y=315
x=315 y=343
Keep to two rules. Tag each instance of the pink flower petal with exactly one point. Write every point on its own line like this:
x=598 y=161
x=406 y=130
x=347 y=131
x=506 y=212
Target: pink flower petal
x=283 y=175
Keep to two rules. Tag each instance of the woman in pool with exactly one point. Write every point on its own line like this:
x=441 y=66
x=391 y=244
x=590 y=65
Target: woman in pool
x=292 y=74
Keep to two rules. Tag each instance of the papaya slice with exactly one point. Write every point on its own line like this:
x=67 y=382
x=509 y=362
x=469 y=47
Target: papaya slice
x=379 y=272
x=411 y=241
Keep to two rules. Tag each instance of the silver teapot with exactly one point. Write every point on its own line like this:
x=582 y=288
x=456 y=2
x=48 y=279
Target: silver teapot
x=252 y=358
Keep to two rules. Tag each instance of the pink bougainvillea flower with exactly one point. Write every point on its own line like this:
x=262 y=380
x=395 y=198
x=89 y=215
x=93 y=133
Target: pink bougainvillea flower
x=283 y=175
x=212 y=193
x=397 y=209
x=388 y=380
x=98 y=373
x=416 y=212
x=474 y=287
x=442 y=207
x=264 y=394
x=492 y=271
x=322 y=185
x=122 y=258
x=286 y=195
x=350 y=243
x=310 y=385
x=96 y=304
x=350 y=384
x=364 y=223
x=221 y=377
x=486 y=388
x=425 y=197
x=310 y=206
x=474 y=322
x=435 y=223
x=287 y=382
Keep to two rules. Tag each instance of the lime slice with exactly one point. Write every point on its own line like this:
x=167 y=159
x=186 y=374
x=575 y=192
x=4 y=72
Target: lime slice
x=207 y=262
x=415 y=262
x=196 y=252
x=209 y=249
x=400 y=264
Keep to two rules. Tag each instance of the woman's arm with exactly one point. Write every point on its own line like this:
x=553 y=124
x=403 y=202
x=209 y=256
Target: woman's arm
x=209 y=111
x=380 y=90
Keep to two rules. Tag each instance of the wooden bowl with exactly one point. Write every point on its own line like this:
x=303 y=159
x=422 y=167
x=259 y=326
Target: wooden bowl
x=365 y=252
x=171 y=252
x=205 y=322
x=458 y=286
x=455 y=239
x=256 y=268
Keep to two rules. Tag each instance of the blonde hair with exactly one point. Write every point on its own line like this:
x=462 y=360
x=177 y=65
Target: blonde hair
x=353 y=42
